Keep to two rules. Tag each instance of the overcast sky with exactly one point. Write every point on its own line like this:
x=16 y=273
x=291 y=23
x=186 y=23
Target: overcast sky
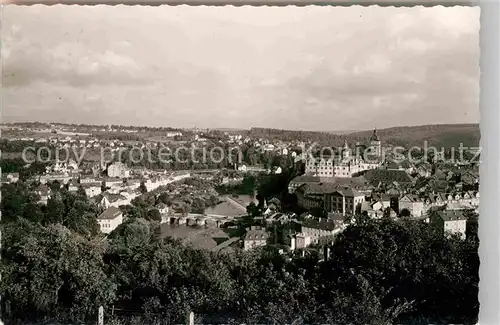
x=310 y=68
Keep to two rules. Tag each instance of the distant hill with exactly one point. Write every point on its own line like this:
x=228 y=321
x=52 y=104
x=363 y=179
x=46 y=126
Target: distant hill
x=443 y=135
x=231 y=130
x=342 y=132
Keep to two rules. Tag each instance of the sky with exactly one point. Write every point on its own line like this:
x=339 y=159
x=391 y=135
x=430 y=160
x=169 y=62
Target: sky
x=319 y=68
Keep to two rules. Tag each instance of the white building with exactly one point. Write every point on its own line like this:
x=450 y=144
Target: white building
x=332 y=167
x=450 y=222
x=119 y=170
x=320 y=232
x=110 y=219
x=301 y=241
x=92 y=189
x=255 y=237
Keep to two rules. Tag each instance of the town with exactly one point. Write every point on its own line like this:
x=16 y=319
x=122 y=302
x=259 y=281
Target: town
x=225 y=206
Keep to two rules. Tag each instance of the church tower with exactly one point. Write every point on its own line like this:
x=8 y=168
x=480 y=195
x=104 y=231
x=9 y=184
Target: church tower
x=375 y=144
x=345 y=150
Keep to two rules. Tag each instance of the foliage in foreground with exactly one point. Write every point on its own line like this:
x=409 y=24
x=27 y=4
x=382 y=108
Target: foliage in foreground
x=380 y=272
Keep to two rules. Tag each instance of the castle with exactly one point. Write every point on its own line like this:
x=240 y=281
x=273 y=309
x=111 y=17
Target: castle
x=347 y=164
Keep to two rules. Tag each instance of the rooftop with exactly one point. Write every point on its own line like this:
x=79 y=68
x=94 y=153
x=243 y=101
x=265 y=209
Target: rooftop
x=110 y=213
x=387 y=176
x=319 y=224
x=451 y=215
x=256 y=234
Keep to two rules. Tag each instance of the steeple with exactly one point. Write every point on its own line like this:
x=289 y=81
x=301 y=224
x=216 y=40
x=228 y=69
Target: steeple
x=345 y=150
x=374 y=136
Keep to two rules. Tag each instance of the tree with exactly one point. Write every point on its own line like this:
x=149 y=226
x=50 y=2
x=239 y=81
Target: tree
x=252 y=209
x=81 y=191
x=319 y=212
x=164 y=198
x=154 y=214
x=403 y=255
x=55 y=186
x=143 y=188
x=405 y=213
x=55 y=273
x=55 y=210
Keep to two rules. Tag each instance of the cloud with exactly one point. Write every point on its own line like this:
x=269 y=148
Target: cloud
x=321 y=68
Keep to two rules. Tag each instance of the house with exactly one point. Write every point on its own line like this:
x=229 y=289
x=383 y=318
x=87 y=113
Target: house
x=11 y=178
x=88 y=180
x=92 y=189
x=255 y=237
x=113 y=182
x=450 y=222
x=320 y=231
x=162 y=208
x=63 y=178
x=107 y=200
x=344 y=200
x=110 y=219
x=300 y=241
x=383 y=198
x=373 y=209
x=413 y=204
x=44 y=192
x=119 y=170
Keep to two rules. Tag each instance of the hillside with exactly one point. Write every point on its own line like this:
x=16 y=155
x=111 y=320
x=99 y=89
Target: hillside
x=443 y=135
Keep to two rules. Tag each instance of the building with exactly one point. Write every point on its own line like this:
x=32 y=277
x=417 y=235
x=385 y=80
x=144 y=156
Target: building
x=320 y=232
x=300 y=241
x=44 y=192
x=10 y=178
x=92 y=189
x=301 y=180
x=310 y=196
x=110 y=219
x=375 y=144
x=413 y=204
x=374 y=209
x=450 y=222
x=162 y=208
x=388 y=177
x=314 y=195
x=345 y=201
x=334 y=167
x=347 y=164
x=63 y=178
x=107 y=200
x=255 y=237
x=118 y=169
x=88 y=179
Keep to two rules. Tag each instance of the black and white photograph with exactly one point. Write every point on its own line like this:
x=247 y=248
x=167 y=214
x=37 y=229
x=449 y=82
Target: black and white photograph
x=167 y=165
